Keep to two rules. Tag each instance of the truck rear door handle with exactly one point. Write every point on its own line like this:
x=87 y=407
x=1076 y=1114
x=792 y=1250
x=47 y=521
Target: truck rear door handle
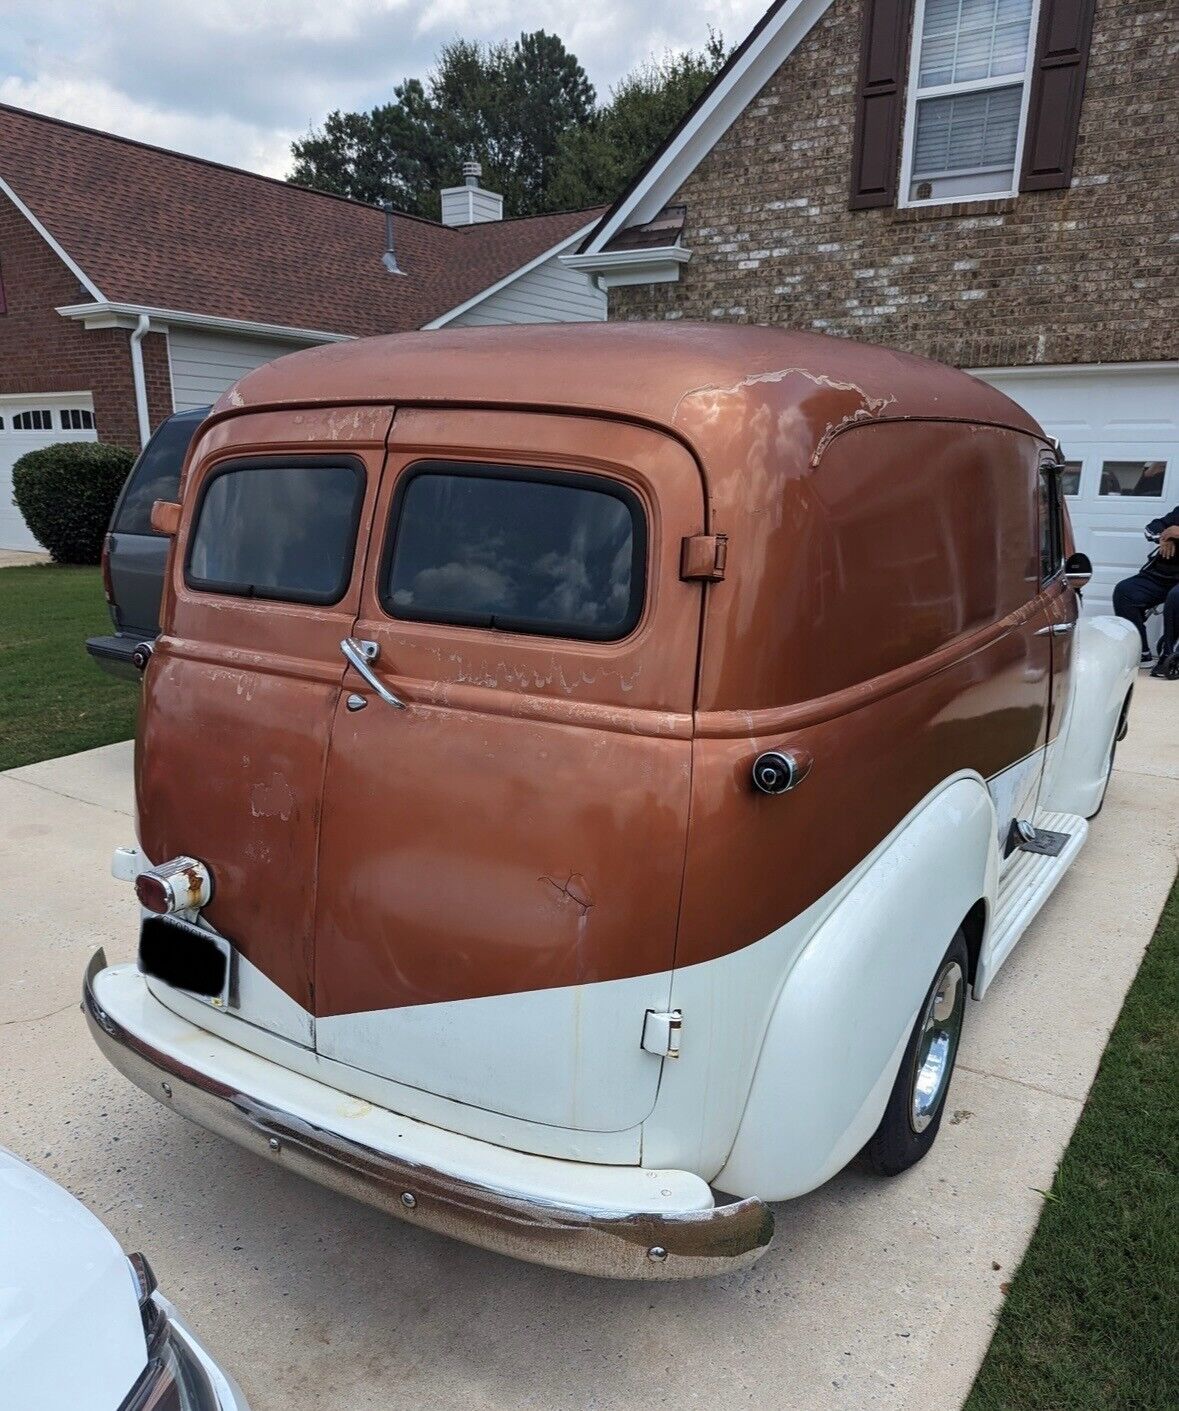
x=1056 y=629
x=360 y=655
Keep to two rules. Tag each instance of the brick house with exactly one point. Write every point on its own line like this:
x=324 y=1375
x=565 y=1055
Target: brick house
x=992 y=183
x=136 y=281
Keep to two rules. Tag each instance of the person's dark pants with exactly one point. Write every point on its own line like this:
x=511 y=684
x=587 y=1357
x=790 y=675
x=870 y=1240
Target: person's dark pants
x=1134 y=597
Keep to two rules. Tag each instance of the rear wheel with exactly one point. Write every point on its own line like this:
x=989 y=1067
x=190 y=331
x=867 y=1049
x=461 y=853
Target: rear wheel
x=918 y=1099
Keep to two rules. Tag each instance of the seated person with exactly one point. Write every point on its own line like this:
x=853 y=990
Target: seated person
x=1157 y=581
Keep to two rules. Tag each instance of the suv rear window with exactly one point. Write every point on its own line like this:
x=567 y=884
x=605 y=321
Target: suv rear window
x=518 y=550
x=155 y=475
x=283 y=530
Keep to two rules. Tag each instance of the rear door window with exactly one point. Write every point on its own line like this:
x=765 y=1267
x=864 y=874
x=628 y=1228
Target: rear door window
x=517 y=550
x=155 y=475
x=278 y=529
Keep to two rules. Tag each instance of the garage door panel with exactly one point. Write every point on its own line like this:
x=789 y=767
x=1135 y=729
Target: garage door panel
x=1104 y=416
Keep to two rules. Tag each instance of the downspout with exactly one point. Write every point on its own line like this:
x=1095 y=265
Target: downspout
x=142 y=324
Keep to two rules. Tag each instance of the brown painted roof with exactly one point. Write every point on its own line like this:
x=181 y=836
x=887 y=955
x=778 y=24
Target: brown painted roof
x=153 y=227
x=708 y=381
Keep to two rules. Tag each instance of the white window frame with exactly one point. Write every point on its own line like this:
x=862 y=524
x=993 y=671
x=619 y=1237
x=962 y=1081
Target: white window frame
x=943 y=90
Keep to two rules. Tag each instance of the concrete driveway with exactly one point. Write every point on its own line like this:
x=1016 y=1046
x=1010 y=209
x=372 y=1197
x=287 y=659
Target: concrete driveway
x=875 y=1294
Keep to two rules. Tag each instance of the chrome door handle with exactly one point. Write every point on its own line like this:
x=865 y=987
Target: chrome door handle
x=359 y=655
x=1056 y=629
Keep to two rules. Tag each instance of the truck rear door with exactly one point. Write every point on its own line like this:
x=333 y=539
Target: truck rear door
x=501 y=860
x=241 y=691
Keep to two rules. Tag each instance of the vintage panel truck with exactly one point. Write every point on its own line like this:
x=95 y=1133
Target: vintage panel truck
x=585 y=769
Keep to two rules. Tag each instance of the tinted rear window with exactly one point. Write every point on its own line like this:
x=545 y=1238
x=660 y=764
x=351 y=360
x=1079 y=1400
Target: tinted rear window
x=519 y=550
x=155 y=475
x=278 y=530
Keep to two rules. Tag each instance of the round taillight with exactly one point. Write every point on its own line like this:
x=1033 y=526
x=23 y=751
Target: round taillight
x=153 y=893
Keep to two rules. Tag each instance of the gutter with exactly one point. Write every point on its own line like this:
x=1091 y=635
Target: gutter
x=109 y=314
x=142 y=324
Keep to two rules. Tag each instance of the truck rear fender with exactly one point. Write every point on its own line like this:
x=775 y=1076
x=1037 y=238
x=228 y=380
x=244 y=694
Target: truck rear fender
x=837 y=1034
x=1105 y=663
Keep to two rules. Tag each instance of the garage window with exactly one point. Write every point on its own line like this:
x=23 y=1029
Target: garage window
x=516 y=550
x=40 y=420
x=278 y=529
x=1070 y=478
x=77 y=419
x=1133 y=478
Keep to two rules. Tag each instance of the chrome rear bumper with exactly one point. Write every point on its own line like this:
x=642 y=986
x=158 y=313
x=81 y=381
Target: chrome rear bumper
x=581 y=1238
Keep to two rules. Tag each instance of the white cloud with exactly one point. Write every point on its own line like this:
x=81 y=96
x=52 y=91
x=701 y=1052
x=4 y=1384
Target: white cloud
x=96 y=104
x=236 y=80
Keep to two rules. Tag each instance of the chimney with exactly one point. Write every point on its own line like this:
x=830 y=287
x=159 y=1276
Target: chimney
x=389 y=258
x=470 y=204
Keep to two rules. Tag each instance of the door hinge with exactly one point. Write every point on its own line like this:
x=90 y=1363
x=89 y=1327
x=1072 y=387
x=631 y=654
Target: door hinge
x=661 y=1032
x=704 y=556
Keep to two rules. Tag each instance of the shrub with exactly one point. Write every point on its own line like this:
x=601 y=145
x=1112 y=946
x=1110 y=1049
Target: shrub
x=66 y=494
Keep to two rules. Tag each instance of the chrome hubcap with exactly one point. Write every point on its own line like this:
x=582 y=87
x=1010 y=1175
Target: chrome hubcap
x=941 y=1026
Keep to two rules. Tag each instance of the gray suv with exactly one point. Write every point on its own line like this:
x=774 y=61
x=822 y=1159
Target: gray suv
x=134 y=555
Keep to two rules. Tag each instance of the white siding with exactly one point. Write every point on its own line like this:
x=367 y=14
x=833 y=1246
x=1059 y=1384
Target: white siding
x=205 y=364
x=548 y=294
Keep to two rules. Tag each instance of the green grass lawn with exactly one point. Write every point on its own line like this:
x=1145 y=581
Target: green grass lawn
x=1092 y=1319
x=53 y=699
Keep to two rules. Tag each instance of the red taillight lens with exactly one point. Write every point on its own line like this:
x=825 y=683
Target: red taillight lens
x=107 y=586
x=183 y=884
x=153 y=893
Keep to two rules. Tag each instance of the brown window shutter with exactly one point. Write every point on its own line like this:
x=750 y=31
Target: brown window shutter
x=1058 y=82
x=880 y=102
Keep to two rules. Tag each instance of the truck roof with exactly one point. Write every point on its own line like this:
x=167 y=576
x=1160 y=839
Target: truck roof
x=692 y=378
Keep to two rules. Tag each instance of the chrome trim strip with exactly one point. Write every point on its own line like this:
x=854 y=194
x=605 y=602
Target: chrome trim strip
x=638 y=1246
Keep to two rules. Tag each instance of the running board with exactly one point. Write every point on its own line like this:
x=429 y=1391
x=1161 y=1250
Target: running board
x=1028 y=880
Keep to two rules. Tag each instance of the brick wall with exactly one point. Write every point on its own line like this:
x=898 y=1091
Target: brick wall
x=42 y=352
x=1089 y=274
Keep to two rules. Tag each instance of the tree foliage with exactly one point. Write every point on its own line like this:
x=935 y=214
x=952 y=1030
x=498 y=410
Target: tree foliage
x=598 y=160
x=526 y=110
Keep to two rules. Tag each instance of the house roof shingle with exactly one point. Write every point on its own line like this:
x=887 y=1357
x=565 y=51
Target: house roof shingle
x=158 y=228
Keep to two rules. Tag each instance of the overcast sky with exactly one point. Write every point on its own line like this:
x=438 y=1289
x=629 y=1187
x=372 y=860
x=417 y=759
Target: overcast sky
x=236 y=80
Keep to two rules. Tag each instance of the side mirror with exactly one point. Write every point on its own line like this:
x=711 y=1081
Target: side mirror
x=165 y=517
x=1078 y=570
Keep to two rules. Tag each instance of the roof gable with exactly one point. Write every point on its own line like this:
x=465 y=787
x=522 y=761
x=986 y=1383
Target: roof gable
x=749 y=68
x=168 y=231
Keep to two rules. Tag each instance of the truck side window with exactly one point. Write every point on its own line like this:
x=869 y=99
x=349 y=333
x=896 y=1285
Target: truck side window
x=1051 y=524
x=278 y=529
x=516 y=550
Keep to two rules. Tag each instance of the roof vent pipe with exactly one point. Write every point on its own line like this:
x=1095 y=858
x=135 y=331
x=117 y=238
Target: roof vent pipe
x=389 y=258
x=472 y=173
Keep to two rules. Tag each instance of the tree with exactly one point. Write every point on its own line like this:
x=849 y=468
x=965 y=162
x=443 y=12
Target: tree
x=525 y=110
x=504 y=104
x=393 y=153
x=597 y=161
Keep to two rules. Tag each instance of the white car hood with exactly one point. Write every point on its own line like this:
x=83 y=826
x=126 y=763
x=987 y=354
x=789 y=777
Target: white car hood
x=70 y=1330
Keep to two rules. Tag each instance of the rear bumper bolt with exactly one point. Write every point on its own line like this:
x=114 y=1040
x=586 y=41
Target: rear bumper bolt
x=408 y=1199
x=274 y=1144
x=657 y=1254
x=167 y=1087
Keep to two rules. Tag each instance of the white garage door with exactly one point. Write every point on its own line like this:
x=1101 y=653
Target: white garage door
x=1119 y=427
x=26 y=424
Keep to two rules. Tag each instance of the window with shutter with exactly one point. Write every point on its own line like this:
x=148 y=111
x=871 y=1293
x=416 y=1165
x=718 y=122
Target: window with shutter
x=969 y=78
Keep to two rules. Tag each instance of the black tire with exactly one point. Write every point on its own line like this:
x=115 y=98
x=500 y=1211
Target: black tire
x=897 y=1144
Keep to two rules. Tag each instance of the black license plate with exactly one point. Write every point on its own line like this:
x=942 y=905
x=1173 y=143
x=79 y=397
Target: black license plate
x=183 y=955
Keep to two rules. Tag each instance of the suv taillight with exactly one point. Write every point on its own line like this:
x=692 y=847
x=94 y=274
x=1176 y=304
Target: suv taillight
x=107 y=586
